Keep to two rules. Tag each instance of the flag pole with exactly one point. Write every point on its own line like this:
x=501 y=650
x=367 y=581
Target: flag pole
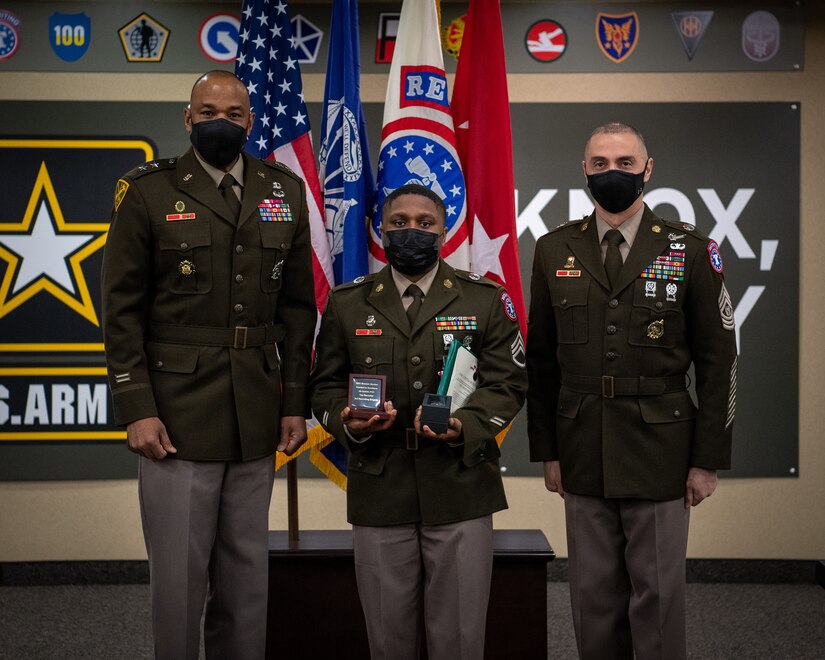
x=292 y=500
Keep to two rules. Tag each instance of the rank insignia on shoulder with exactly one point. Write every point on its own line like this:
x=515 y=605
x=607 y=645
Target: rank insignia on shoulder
x=474 y=276
x=274 y=210
x=715 y=257
x=568 y=273
x=173 y=217
x=688 y=227
x=509 y=307
x=368 y=331
x=358 y=279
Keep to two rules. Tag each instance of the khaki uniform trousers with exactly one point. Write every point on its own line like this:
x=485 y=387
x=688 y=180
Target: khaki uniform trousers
x=205 y=524
x=438 y=575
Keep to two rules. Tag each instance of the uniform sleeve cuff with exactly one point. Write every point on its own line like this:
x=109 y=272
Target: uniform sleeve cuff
x=133 y=405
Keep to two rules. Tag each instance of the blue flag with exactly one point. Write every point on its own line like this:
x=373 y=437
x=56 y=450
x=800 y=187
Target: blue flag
x=344 y=163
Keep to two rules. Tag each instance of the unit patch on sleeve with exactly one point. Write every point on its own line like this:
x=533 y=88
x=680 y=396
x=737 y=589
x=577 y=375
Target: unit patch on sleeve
x=715 y=257
x=509 y=307
x=120 y=192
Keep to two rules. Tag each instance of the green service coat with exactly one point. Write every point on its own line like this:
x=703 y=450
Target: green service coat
x=387 y=483
x=635 y=342
x=165 y=277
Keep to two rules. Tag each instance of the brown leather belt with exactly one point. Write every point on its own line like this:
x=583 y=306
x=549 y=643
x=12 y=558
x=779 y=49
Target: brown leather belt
x=239 y=337
x=612 y=386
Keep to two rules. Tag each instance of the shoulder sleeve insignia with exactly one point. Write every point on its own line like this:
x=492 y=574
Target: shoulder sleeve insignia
x=715 y=257
x=120 y=192
x=509 y=307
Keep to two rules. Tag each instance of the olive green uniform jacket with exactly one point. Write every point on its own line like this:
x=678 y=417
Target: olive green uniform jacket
x=607 y=369
x=389 y=484
x=185 y=288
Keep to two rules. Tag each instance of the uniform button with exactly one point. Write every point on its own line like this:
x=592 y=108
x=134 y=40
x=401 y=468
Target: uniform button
x=659 y=305
x=283 y=246
x=611 y=329
x=159 y=364
x=360 y=464
x=184 y=246
x=563 y=301
x=239 y=249
x=613 y=304
x=415 y=360
x=418 y=385
x=611 y=355
x=676 y=413
x=368 y=359
x=239 y=278
x=238 y=308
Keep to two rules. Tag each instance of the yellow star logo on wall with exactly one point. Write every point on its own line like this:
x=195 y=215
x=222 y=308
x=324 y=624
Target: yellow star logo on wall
x=44 y=253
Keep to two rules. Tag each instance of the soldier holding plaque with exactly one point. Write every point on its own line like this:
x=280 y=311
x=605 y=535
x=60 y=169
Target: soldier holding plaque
x=420 y=503
x=622 y=303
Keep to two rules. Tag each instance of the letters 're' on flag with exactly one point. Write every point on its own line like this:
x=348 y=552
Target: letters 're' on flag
x=349 y=190
x=267 y=63
x=418 y=141
x=482 y=118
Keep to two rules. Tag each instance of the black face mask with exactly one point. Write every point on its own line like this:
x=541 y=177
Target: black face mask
x=411 y=251
x=616 y=190
x=218 y=141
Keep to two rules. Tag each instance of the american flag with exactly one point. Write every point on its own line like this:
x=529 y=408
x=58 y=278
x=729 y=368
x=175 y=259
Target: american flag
x=267 y=63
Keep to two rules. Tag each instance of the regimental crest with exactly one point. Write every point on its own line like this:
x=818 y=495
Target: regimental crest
x=144 y=39
x=452 y=35
x=691 y=27
x=341 y=161
x=760 y=36
x=70 y=35
x=617 y=34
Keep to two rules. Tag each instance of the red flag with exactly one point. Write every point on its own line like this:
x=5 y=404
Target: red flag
x=481 y=114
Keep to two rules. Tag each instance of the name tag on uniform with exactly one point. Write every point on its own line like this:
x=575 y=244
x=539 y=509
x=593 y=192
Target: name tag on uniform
x=360 y=332
x=173 y=217
x=568 y=273
x=274 y=210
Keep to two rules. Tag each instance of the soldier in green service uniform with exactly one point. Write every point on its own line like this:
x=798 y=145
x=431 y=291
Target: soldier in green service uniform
x=209 y=313
x=622 y=303
x=420 y=503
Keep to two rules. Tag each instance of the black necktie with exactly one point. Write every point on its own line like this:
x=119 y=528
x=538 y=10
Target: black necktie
x=229 y=195
x=415 y=305
x=613 y=258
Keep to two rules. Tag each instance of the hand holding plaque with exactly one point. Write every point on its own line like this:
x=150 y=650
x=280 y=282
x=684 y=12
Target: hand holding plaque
x=367 y=394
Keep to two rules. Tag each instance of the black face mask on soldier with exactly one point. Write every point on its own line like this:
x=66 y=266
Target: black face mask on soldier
x=616 y=190
x=218 y=141
x=410 y=251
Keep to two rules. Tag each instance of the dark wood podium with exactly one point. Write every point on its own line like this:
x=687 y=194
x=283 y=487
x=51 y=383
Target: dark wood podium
x=314 y=611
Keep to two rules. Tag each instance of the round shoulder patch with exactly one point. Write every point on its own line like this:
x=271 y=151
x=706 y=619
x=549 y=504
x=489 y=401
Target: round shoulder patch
x=509 y=307
x=715 y=257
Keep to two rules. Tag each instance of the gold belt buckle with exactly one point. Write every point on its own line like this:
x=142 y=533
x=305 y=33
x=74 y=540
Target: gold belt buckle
x=412 y=440
x=608 y=390
x=240 y=331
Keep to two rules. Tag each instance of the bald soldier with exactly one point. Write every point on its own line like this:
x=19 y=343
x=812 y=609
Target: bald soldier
x=622 y=303
x=420 y=503
x=208 y=318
